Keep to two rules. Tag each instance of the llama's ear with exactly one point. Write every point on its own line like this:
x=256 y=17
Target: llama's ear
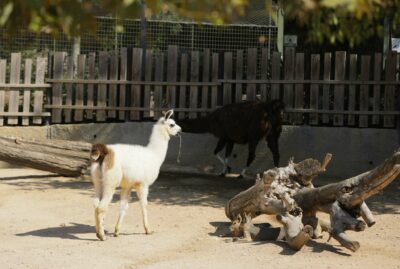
x=168 y=114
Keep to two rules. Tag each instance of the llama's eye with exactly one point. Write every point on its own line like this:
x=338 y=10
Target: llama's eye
x=171 y=125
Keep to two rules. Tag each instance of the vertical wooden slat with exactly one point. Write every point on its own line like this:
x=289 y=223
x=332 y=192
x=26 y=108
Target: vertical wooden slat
x=377 y=88
x=102 y=88
x=38 y=94
x=136 y=76
x=148 y=77
x=215 y=72
x=326 y=88
x=112 y=95
x=227 y=89
x=194 y=77
x=239 y=76
x=3 y=64
x=390 y=75
x=352 y=88
x=289 y=65
x=90 y=87
x=68 y=88
x=364 y=90
x=299 y=87
x=13 y=103
x=314 y=88
x=264 y=72
x=58 y=66
x=78 y=113
x=172 y=63
x=27 y=92
x=338 y=94
x=205 y=78
x=182 y=89
x=275 y=75
x=251 y=73
x=158 y=90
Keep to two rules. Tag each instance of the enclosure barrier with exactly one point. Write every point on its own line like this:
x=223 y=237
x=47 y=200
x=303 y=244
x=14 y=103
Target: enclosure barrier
x=337 y=89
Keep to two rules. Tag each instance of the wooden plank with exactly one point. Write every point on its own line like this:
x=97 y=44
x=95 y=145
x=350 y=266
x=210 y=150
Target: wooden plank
x=90 y=87
x=148 y=77
x=56 y=99
x=68 y=88
x=158 y=90
x=352 y=88
x=364 y=90
x=182 y=89
x=314 y=88
x=376 y=105
x=227 y=88
x=78 y=114
x=338 y=94
x=172 y=63
x=137 y=58
x=13 y=102
x=41 y=63
x=27 y=92
x=215 y=72
x=264 y=74
x=299 y=87
x=112 y=95
x=102 y=89
x=289 y=65
x=390 y=74
x=326 y=95
x=3 y=66
x=251 y=73
x=239 y=75
x=194 y=77
x=205 y=78
x=275 y=75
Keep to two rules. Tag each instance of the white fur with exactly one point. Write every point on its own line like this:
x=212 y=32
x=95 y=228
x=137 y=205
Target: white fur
x=134 y=167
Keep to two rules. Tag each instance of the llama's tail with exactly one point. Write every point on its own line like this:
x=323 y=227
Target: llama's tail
x=199 y=125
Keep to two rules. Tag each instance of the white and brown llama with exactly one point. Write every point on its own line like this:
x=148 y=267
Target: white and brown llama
x=130 y=167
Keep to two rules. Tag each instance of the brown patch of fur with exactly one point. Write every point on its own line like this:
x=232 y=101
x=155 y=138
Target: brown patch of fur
x=105 y=155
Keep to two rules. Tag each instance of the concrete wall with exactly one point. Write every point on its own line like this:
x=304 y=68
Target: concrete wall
x=354 y=150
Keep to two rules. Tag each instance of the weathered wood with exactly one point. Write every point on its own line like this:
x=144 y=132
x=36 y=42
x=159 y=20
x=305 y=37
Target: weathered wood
x=364 y=90
x=27 y=92
x=352 y=88
x=38 y=94
x=102 y=89
x=90 y=87
x=112 y=95
x=239 y=75
x=338 y=94
x=205 y=91
x=264 y=74
x=148 y=77
x=227 y=89
x=56 y=98
x=68 y=89
x=289 y=65
x=194 y=77
x=376 y=106
x=13 y=102
x=251 y=73
x=158 y=90
x=122 y=76
x=78 y=114
x=275 y=75
x=66 y=158
x=136 y=95
x=3 y=64
x=215 y=72
x=183 y=89
x=326 y=88
x=172 y=63
x=299 y=88
x=390 y=74
x=314 y=89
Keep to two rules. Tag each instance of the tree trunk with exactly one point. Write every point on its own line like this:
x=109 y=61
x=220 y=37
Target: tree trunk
x=67 y=158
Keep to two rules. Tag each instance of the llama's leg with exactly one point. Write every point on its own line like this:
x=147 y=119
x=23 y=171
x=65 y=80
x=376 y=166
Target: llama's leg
x=220 y=145
x=228 y=152
x=97 y=197
x=101 y=210
x=125 y=195
x=143 y=192
x=273 y=144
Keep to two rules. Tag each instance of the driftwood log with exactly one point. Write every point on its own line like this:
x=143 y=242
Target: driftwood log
x=280 y=190
x=67 y=158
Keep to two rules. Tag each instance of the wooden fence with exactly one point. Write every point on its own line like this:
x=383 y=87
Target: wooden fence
x=337 y=89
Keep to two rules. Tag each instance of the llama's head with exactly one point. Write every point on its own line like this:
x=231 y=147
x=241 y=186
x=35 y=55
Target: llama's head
x=169 y=124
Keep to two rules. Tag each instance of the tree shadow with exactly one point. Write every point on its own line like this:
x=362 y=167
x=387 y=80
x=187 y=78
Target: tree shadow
x=64 y=232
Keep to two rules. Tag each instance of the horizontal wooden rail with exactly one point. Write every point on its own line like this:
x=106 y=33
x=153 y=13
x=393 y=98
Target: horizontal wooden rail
x=347 y=112
x=125 y=108
x=13 y=86
x=129 y=82
x=307 y=81
x=25 y=114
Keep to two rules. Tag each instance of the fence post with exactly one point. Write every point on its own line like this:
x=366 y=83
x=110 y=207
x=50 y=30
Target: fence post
x=364 y=90
x=251 y=73
x=205 y=78
x=338 y=94
x=299 y=87
x=3 y=64
x=58 y=68
x=194 y=77
x=15 y=73
x=27 y=92
x=38 y=94
x=137 y=57
x=172 y=63
x=227 y=88
x=377 y=88
x=352 y=88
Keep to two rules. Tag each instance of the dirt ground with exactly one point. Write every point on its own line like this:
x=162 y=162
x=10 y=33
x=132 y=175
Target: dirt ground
x=47 y=222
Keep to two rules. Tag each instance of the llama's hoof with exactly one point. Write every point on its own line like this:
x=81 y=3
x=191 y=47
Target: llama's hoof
x=148 y=232
x=116 y=234
x=102 y=237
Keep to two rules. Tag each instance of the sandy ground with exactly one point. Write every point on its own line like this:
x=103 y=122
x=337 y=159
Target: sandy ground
x=47 y=222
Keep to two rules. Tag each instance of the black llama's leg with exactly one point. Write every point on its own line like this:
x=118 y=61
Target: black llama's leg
x=228 y=152
x=252 y=155
x=273 y=144
x=220 y=145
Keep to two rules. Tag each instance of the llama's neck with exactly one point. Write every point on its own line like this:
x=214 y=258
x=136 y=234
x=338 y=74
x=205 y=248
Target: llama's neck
x=158 y=142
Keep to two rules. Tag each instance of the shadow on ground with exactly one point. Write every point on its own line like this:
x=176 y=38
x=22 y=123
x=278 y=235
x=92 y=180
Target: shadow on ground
x=71 y=231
